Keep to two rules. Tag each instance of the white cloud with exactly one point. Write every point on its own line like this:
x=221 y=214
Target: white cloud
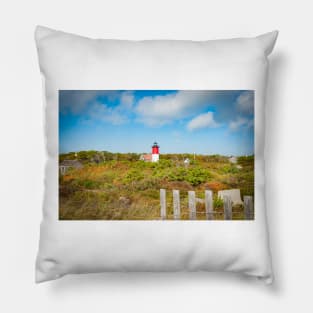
x=88 y=102
x=93 y=108
x=118 y=107
x=245 y=102
x=78 y=101
x=115 y=115
x=245 y=107
x=127 y=100
x=160 y=110
x=240 y=122
x=205 y=120
x=101 y=112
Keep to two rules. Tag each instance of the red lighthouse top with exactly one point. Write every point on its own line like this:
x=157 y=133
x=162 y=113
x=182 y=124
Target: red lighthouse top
x=155 y=148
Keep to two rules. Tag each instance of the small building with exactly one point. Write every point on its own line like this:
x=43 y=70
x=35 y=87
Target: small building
x=66 y=165
x=186 y=162
x=152 y=157
x=146 y=157
x=233 y=159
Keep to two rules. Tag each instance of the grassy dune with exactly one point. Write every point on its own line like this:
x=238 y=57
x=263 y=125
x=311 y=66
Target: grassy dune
x=120 y=187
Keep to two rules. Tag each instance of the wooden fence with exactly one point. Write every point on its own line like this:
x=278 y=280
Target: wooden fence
x=208 y=203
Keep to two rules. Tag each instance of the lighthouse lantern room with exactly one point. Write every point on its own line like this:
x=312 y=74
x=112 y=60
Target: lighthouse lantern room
x=155 y=153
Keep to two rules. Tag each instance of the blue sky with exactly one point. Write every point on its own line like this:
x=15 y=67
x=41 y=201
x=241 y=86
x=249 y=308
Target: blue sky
x=202 y=122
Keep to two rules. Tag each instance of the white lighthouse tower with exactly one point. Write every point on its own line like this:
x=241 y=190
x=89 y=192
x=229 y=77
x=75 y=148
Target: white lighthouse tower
x=155 y=156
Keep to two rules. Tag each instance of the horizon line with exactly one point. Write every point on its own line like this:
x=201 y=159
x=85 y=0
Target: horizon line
x=193 y=153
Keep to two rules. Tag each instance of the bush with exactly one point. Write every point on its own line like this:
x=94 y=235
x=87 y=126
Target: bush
x=133 y=175
x=194 y=176
x=197 y=176
x=86 y=183
x=218 y=202
x=246 y=160
x=229 y=169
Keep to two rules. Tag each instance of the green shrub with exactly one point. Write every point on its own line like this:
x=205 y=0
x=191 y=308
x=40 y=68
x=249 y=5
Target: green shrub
x=194 y=176
x=133 y=175
x=246 y=160
x=197 y=176
x=218 y=202
x=86 y=183
x=229 y=169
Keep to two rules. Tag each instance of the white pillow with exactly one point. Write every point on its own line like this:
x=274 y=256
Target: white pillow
x=70 y=62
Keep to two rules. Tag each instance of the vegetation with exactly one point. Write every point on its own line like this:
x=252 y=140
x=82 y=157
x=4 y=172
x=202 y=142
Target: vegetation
x=119 y=186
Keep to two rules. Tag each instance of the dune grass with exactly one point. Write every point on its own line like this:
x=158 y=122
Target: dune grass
x=124 y=188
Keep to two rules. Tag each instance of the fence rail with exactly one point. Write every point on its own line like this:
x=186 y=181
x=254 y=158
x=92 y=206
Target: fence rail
x=208 y=203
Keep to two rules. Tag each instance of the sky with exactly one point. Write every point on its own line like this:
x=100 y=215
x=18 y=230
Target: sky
x=181 y=121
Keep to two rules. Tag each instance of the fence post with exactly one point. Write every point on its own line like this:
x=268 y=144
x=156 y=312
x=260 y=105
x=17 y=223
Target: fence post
x=192 y=205
x=208 y=199
x=176 y=204
x=163 y=203
x=227 y=208
x=248 y=207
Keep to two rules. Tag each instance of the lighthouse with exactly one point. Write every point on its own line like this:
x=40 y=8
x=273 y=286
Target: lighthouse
x=155 y=153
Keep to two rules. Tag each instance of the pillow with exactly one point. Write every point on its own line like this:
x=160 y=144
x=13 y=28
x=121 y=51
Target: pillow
x=155 y=155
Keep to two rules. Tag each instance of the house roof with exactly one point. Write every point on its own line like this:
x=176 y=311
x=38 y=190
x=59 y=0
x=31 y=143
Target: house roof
x=146 y=157
x=71 y=163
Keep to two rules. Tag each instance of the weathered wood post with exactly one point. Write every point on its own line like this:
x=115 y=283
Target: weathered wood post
x=192 y=205
x=227 y=208
x=176 y=204
x=248 y=207
x=163 y=203
x=208 y=200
